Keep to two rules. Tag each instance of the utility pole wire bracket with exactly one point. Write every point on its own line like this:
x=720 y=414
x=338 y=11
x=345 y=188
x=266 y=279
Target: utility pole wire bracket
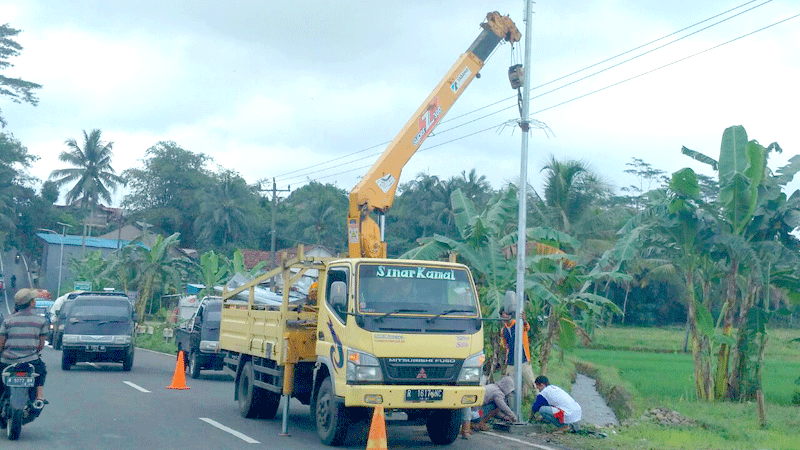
x=532 y=123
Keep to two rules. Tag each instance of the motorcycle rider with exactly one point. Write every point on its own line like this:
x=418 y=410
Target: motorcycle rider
x=13 y=281
x=22 y=337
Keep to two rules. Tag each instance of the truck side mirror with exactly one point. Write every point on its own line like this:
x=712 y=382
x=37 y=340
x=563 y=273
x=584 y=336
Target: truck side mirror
x=338 y=296
x=510 y=302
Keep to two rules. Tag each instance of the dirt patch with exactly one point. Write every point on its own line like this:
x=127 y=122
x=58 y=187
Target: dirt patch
x=667 y=417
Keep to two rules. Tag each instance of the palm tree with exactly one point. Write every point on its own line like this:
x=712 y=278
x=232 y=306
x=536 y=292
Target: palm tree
x=92 y=174
x=569 y=190
x=223 y=214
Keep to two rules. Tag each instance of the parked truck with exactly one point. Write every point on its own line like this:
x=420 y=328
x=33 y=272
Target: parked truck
x=405 y=335
x=198 y=337
x=401 y=334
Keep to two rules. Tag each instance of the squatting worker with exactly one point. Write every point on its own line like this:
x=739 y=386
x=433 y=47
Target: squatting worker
x=556 y=406
x=495 y=403
x=22 y=337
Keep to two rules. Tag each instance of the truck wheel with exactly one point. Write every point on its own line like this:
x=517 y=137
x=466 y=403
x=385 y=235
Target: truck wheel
x=194 y=366
x=443 y=426
x=127 y=363
x=14 y=424
x=248 y=394
x=66 y=360
x=331 y=416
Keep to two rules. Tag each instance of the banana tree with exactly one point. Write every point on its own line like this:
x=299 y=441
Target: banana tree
x=486 y=241
x=749 y=198
x=156 y=269
x=210 y=272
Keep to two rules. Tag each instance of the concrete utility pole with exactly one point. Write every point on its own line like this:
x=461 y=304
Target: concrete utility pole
x=61 y=258
x=275 y=191
x=522 y=226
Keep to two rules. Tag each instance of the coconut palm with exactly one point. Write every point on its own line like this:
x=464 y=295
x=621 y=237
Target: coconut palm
x=92 y=171
x=570 y=188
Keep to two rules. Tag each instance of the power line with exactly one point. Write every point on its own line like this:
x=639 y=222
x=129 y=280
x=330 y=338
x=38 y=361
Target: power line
x=321 y=169
x=553 y=90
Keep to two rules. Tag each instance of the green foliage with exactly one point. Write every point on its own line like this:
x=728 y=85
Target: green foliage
x=211 y=273
x=223 y=219
x=92 y=171
x=156 y=341
x=314 y=214
x=93 y=268
x=157 y=272
x=17 y=89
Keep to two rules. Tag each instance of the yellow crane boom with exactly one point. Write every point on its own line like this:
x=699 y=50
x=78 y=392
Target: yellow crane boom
x=377 y=188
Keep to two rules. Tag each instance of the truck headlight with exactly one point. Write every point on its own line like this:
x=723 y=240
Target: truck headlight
x=209 y=346
x=121 y=340
x=362 y=367
x=472 y=368
x=70 y=339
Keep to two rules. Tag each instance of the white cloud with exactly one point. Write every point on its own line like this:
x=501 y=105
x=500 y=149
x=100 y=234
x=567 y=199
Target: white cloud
x=270 y=88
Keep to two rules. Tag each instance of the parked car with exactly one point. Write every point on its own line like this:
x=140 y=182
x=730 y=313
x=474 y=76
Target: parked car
x=98 y=327
x=198 y=337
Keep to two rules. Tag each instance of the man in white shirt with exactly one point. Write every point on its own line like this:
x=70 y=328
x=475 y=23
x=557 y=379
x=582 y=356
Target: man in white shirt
x=556 y=406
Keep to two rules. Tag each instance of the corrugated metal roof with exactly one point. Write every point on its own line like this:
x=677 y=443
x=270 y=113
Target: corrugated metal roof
x=93 y=242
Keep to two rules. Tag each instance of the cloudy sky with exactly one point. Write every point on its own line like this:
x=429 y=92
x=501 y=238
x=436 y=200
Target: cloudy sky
x=314 y=90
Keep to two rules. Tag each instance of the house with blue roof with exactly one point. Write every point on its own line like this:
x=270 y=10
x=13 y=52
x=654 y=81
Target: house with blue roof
x=74 y=247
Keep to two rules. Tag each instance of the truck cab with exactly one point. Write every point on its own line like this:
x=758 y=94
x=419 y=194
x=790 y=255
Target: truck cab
x=198 y=337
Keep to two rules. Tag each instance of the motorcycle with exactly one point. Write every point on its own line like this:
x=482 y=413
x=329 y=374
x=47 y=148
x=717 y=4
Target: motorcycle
x=18 y=403
x=16 y=258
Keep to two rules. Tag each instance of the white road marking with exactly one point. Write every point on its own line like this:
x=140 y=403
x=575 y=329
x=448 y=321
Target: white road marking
x=222 y=427
x=137 y=387
x=519 y=441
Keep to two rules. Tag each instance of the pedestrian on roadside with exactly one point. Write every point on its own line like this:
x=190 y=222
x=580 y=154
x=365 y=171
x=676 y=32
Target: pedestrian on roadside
x=509 y=342
x=22 y=337
x=556 y=406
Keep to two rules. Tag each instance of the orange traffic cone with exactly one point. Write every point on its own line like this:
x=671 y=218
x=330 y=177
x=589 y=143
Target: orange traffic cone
x=377 y=431
x=179 y=379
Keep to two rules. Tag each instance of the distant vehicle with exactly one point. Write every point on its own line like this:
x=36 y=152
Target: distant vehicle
x=98 y=327
x=198 y=337
x=58 y=310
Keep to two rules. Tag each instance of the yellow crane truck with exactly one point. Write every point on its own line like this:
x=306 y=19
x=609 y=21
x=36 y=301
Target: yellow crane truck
x=406 y=335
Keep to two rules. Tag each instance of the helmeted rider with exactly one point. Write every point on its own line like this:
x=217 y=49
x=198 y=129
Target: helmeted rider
x=22 y=337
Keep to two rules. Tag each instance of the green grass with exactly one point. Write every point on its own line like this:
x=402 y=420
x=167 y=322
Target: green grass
x=156 y=341
x=660 y=375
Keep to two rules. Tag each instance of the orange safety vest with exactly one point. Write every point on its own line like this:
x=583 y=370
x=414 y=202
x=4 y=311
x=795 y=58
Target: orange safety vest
x=509 y=336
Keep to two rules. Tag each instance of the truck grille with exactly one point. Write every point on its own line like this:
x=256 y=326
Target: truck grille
x=421 y=370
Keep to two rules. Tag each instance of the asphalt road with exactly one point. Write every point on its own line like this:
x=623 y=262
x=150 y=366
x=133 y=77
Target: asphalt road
x=99 y=406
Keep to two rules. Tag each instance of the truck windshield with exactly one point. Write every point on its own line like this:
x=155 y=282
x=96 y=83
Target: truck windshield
x=428 y=290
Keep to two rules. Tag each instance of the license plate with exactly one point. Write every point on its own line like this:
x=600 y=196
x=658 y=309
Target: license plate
x=96 y=348
x=20 y=381
x=424 y=395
